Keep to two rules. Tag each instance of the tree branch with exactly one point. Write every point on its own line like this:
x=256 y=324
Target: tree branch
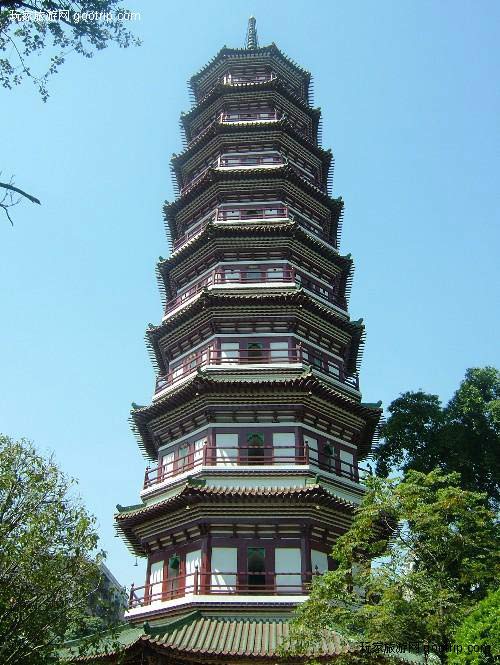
x=12 y=188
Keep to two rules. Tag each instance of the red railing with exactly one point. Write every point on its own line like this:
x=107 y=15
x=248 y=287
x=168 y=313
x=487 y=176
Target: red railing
x=250 y=455
x=251 y=160
x=244 y=214
x=229 y=162
x=235 y=357
x=191 y=233
x=277 y=276
x=221 y=583
x=242 y=116
x=235 y=79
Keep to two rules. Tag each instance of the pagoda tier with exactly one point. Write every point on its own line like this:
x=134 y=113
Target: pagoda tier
x=266 y=256
x=248 y=191
x=250 y=103
x=251 y=67
x=256 y=428
x=213 y=315
x=238 y=145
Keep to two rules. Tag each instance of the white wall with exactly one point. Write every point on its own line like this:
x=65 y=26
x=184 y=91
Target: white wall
x=288 y=560
x=226 y=456
x=156 y=580
x=193 y=559
x=319 y=559
x=224 y=560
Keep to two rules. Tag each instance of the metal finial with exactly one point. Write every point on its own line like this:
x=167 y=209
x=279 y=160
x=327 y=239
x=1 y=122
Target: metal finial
x=252 y=39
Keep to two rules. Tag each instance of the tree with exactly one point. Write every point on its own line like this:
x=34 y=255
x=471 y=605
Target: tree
x=49 y=565
x=463 y=436
x=420 y=553
x=53 y=28
x=477 y=640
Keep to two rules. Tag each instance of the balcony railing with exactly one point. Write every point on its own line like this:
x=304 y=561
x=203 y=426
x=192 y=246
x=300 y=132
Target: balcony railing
x=238 y=79
x=235 y=357
x=233 y=277
x=250 y=455
x=221 y=583
x=247 y=214
x=243 y=116
x=233 y=214
x=234 y=162
x=250 y=160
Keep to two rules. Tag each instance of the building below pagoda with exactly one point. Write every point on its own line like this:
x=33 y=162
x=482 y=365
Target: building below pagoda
x=256 y=429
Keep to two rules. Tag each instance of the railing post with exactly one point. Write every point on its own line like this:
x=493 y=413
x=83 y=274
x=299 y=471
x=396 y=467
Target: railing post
x=306 y=452
x=146 y=476
x=131 y=596
x=195 y=583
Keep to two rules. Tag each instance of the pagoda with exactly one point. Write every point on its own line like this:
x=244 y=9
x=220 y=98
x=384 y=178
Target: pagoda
x=256 y=427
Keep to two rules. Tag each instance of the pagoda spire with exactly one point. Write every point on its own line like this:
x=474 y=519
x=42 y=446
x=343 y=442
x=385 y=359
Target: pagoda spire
x=252 y=41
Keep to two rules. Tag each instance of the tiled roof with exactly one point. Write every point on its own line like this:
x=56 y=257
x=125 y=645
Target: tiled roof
x=220 y=90
x=226 y=52
x=191 y=493
x=249 y=128
x=286 y=228
x=298 y=297
x=231 y=636
x=280 y=172
x=201 y=637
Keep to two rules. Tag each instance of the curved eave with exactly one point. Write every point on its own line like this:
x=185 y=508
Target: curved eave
x=275 y=85
x=210 y=298
x=290 y=229
x=213 y=176
x=191 y=495
x=354 y=329
x=201 y=384
x=222 y=129
x=226 y=52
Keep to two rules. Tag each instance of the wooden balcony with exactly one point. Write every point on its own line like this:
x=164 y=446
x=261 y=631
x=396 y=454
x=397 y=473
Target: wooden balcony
x=221 y=583
x=212 y=357
x=248 y=455
x=237 y=214
x=242 y=79
x=238 y=161
x=248 y=116
x=285 y=276
x=250 y=161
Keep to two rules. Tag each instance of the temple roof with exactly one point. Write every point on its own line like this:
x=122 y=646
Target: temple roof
x=191 y=493
x=220 y=90
x=280 y=173
x=248 y=129
x=232 y=389
x=298 y=297
x=199 y=637
x=255 y=231
x=226 y=52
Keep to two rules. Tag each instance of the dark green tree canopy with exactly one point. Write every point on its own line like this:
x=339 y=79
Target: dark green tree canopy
x=49 y=564
x=463 y=436
x=419 y=555
x=477 y=639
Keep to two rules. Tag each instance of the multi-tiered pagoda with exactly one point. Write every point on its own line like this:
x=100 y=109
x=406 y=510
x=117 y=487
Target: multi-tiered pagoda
x=256 y=426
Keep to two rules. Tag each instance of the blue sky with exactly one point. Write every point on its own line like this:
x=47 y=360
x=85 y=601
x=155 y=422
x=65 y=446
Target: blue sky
x=411 y=104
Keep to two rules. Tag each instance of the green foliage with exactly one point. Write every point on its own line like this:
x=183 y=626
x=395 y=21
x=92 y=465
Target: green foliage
x=477 y=640
x=463 y=436
x=56 y=27
x=49 y=565
x=420 y=553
